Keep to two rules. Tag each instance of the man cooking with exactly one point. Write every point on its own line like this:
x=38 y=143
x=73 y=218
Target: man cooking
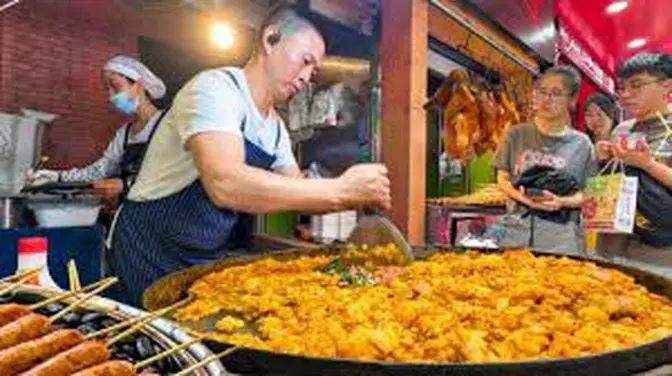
x=221 y=154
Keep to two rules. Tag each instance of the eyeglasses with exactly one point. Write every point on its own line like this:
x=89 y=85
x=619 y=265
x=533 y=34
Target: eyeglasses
x=551 y=95
x=635 y=87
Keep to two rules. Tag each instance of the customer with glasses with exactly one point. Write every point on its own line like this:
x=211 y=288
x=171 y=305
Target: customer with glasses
x=644 y=86
x=542 y=167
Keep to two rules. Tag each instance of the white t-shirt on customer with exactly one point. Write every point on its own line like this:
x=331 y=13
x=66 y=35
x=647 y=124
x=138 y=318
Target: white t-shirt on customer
x=209 y=102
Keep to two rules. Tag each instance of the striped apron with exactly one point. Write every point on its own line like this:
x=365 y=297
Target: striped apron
x=154 y=238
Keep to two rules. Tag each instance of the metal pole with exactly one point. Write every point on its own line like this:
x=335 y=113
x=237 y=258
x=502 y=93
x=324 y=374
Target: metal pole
x=465 y=23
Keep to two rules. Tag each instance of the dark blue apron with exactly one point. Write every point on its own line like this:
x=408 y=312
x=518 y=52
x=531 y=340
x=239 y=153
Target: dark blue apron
x=154 y=238
x=134 y=154
x=131 y=161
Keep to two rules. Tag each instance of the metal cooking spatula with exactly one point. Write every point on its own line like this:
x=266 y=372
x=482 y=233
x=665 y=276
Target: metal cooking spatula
x=373 y=229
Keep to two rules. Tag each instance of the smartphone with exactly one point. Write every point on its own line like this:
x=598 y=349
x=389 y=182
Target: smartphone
x=534 y=192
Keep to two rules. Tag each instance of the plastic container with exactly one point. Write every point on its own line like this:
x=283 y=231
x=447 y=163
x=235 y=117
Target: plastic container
x=33 y=254
x=73 y=212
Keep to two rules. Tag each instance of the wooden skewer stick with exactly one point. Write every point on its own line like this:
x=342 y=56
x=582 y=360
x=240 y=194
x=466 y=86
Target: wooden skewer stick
x=666 y=134
x=21 y=274
x=144 y=321
x=159 y=356
x=123 y=324
x=66 y=295
x=83 y=299
x=73 y=275
x=21 y=281
x=115 y=327
x=207 y=360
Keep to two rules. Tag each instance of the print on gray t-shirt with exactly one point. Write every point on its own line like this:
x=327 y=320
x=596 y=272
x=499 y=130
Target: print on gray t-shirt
x=524 y=146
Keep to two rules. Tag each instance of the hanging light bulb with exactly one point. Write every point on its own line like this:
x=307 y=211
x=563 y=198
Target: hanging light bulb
x=617 y=7
x=222 y=35
x=637 y=43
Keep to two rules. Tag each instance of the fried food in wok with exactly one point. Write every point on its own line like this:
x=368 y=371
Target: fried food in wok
x=469 y=307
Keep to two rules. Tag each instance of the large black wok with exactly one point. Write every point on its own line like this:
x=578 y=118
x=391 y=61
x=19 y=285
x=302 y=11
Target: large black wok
x=173 y=288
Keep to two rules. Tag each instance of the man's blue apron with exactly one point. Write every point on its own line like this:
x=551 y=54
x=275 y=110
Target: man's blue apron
x=154 y=238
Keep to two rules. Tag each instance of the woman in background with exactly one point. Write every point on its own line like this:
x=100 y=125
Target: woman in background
x=133 y=90
x=600 y=116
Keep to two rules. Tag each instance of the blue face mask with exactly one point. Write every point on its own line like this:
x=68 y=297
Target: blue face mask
x=123 y=102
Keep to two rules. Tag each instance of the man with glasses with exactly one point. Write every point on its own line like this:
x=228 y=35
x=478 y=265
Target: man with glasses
x=644 y=86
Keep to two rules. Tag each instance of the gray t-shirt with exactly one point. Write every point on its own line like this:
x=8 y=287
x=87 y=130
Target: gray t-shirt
x=524 y=146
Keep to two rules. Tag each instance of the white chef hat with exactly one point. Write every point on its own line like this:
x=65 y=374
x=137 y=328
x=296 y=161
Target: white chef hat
x=137 y=71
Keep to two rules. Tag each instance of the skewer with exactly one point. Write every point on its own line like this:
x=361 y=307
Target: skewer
x=144 y=321
x=73 y=275
x=83 y=299
x=21 y=274
x=164 y=354
x=137 y=323
x=123 y=324
x=66 y=295
x=114 y=327
x=20 y=282
x=207 y=360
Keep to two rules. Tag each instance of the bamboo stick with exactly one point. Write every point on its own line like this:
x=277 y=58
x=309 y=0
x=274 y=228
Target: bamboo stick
x=73 y=275
x=13 y=286
x=66 y=295
x=206 y=361
x=143 y=322
x=21 y=274
x=164 y=354
x=83 y=299
x=115 y=327
x=124 y=324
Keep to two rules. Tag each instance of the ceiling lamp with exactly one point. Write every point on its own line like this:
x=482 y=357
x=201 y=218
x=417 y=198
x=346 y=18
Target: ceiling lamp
x=617 y=7
x=222 y=35
x=637 y=43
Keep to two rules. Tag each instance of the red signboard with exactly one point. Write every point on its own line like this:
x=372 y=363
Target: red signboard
x=571 y=49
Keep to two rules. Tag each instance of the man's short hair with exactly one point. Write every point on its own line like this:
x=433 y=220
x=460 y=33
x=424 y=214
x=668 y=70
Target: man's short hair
x=655 y=64
x=286 y=21
x=570 y=76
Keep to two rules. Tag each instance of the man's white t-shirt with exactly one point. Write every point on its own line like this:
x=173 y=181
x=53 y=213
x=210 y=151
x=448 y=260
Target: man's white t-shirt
x=209 y=102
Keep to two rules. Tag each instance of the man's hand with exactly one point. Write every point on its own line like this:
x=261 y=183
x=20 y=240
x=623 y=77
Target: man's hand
x=640 y=157
x=108 y=189
x=605 y=150
x=366 y=185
